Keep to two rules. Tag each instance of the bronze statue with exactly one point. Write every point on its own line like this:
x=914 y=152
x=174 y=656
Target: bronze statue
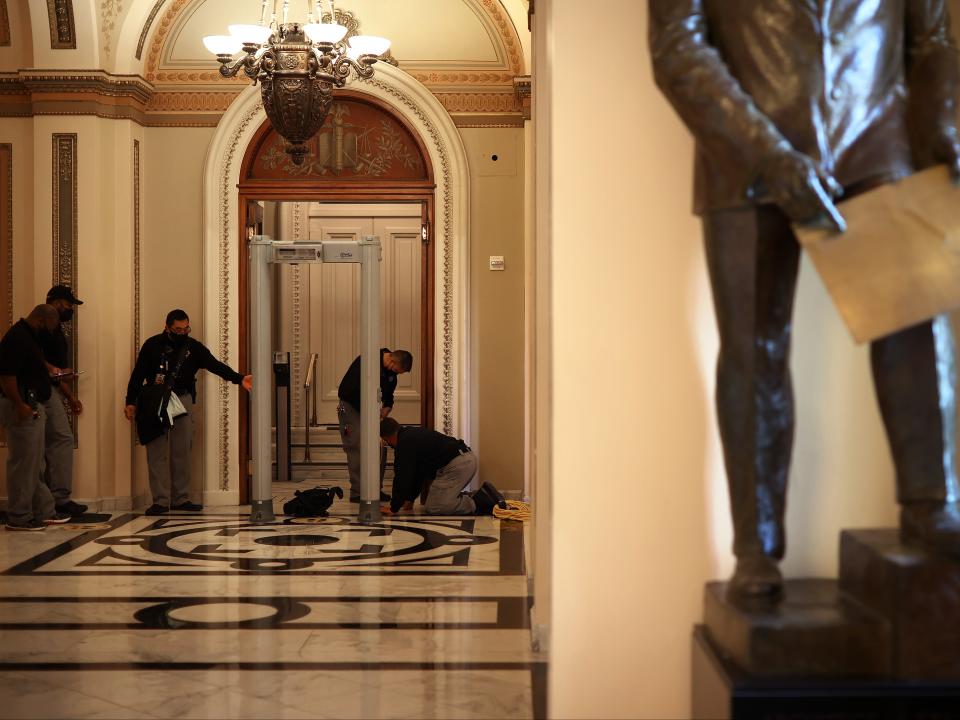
x=795 y=103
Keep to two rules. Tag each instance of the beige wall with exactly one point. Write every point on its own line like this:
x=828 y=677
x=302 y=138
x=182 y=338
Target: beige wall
x=496 y=301
x=633 y=353
x=172 y=254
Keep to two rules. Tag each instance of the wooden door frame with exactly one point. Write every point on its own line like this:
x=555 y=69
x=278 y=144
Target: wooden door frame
x=386 y=192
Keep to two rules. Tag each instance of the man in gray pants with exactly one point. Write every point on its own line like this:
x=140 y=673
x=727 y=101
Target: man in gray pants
x=170 y=361
x=58 y=439
x=437 y=468
x=25 y=385
x=392 y=363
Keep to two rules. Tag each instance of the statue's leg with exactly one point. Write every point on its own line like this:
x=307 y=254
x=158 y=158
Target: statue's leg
x=753 y=259
x=914 y=373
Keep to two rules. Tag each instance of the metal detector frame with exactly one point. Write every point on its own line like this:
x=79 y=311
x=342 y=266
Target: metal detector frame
x=263 y=252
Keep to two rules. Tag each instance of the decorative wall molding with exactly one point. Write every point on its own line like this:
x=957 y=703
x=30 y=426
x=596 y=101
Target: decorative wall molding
x=523 y=86
x=63 y=34
x=192 y=101
x=109 y=11
x=64 y=226
x=424 y=115
x=4 y=25
x=146 y=27
x=501 y=102
x=6 y=228
x=136 y=248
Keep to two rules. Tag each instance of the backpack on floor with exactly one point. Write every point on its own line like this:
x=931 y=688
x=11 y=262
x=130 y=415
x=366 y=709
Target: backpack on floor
x=311 y=503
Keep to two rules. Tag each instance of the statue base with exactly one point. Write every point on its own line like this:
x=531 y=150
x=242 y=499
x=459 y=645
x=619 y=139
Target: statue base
x=882 y=642
x=722 y=690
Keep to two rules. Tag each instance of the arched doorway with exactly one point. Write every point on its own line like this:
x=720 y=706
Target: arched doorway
x=366 y=173
x=231 y=151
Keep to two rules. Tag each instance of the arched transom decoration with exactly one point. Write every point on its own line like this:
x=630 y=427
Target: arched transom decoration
x=358 y=141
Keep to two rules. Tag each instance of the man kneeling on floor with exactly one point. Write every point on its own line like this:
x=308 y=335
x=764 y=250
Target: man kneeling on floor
x=437 y=468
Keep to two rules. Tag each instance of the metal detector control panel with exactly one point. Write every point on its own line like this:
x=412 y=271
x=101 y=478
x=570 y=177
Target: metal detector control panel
x=328 y=251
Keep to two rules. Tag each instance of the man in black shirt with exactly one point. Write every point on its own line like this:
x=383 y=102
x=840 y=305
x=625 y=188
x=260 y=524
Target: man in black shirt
x=171 y=359
x=58 y=439
x=436 y=468
x=25 y=385
x=393 y=363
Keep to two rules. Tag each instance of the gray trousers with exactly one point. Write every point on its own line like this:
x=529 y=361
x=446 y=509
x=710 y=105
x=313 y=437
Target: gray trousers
x=28 y=498
x=349 y=419
x=58 y=449
x=168 y=460
x=445 y=496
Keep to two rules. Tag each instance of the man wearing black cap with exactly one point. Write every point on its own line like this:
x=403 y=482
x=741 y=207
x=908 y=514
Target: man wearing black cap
x=58 y=436
x=24 y=390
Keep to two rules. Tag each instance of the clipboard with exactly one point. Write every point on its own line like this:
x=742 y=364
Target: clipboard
x=898 y=263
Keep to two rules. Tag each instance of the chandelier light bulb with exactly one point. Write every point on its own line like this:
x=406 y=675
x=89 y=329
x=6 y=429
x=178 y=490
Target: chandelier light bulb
x=222 y=44
x=325 y=32
x=369 y=45
x=254 y=34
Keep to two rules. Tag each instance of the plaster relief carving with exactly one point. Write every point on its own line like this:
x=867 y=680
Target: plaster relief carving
x=109 y=12
x=63 y=35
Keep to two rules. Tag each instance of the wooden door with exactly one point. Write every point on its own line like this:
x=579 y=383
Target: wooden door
x=320 y=304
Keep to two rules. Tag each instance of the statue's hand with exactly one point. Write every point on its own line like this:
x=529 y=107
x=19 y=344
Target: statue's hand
x=803 y=190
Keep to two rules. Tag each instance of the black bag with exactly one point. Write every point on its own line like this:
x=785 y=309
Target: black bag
x=151 y=417
x=311 y=503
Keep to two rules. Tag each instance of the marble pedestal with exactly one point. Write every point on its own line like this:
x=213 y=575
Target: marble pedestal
x=881 y=642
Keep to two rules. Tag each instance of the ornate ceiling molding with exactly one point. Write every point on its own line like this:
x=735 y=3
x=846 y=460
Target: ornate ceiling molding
x=493 y=10
x=63 y=33
x=146 y=27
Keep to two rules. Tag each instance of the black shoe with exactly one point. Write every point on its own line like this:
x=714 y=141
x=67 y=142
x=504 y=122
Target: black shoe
x=156 y=510
x=59 y=518
x=354 y=498
x=189 y=506
x=496 y=495
x=756 y=577
x=71 y=508
x=934 y=526
x=31 y=526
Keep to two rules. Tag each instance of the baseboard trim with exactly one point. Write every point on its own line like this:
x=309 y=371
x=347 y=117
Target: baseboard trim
x=220 y=498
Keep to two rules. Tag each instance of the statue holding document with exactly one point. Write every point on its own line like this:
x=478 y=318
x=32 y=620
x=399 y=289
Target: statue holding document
x=795 y=105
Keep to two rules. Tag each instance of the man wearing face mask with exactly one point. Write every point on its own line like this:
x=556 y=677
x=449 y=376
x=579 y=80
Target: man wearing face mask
x=172 y=359
x=24 y=389
x=58 y=435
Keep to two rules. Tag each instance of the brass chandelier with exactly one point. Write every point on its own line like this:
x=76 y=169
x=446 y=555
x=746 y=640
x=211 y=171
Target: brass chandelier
x=298 y=65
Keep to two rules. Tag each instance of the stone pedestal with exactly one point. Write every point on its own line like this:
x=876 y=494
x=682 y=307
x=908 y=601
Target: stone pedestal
x=813 y=630
x=918 y=593
x=723 y=691
x=881 y=642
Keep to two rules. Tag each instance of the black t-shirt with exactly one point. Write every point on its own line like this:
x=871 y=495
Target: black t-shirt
x=21 y=356
x=419 y=454
x=56 y=349
x=349 y=390
x=158 y=357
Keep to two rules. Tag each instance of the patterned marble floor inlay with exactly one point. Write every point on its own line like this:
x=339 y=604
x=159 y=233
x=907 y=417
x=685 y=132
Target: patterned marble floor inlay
x=210 y=616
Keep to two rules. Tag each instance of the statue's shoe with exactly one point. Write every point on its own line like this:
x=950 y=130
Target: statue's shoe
x=933 y=526
x=756 y=576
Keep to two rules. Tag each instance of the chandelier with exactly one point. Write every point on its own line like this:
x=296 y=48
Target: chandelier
x=298 y=65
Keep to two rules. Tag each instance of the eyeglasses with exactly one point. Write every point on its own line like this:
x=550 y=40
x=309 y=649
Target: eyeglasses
x=181 y=331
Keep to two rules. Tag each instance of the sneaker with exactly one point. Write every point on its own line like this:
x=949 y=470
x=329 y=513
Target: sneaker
x=58 y=518
x=190 y=506
x=30 y=526
x=71 y=508
x=156 y=510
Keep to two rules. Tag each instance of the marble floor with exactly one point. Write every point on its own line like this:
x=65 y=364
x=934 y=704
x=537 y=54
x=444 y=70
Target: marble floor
x=203 y=615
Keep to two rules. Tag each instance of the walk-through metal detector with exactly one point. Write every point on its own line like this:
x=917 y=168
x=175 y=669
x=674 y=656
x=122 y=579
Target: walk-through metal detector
x=265 y=251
